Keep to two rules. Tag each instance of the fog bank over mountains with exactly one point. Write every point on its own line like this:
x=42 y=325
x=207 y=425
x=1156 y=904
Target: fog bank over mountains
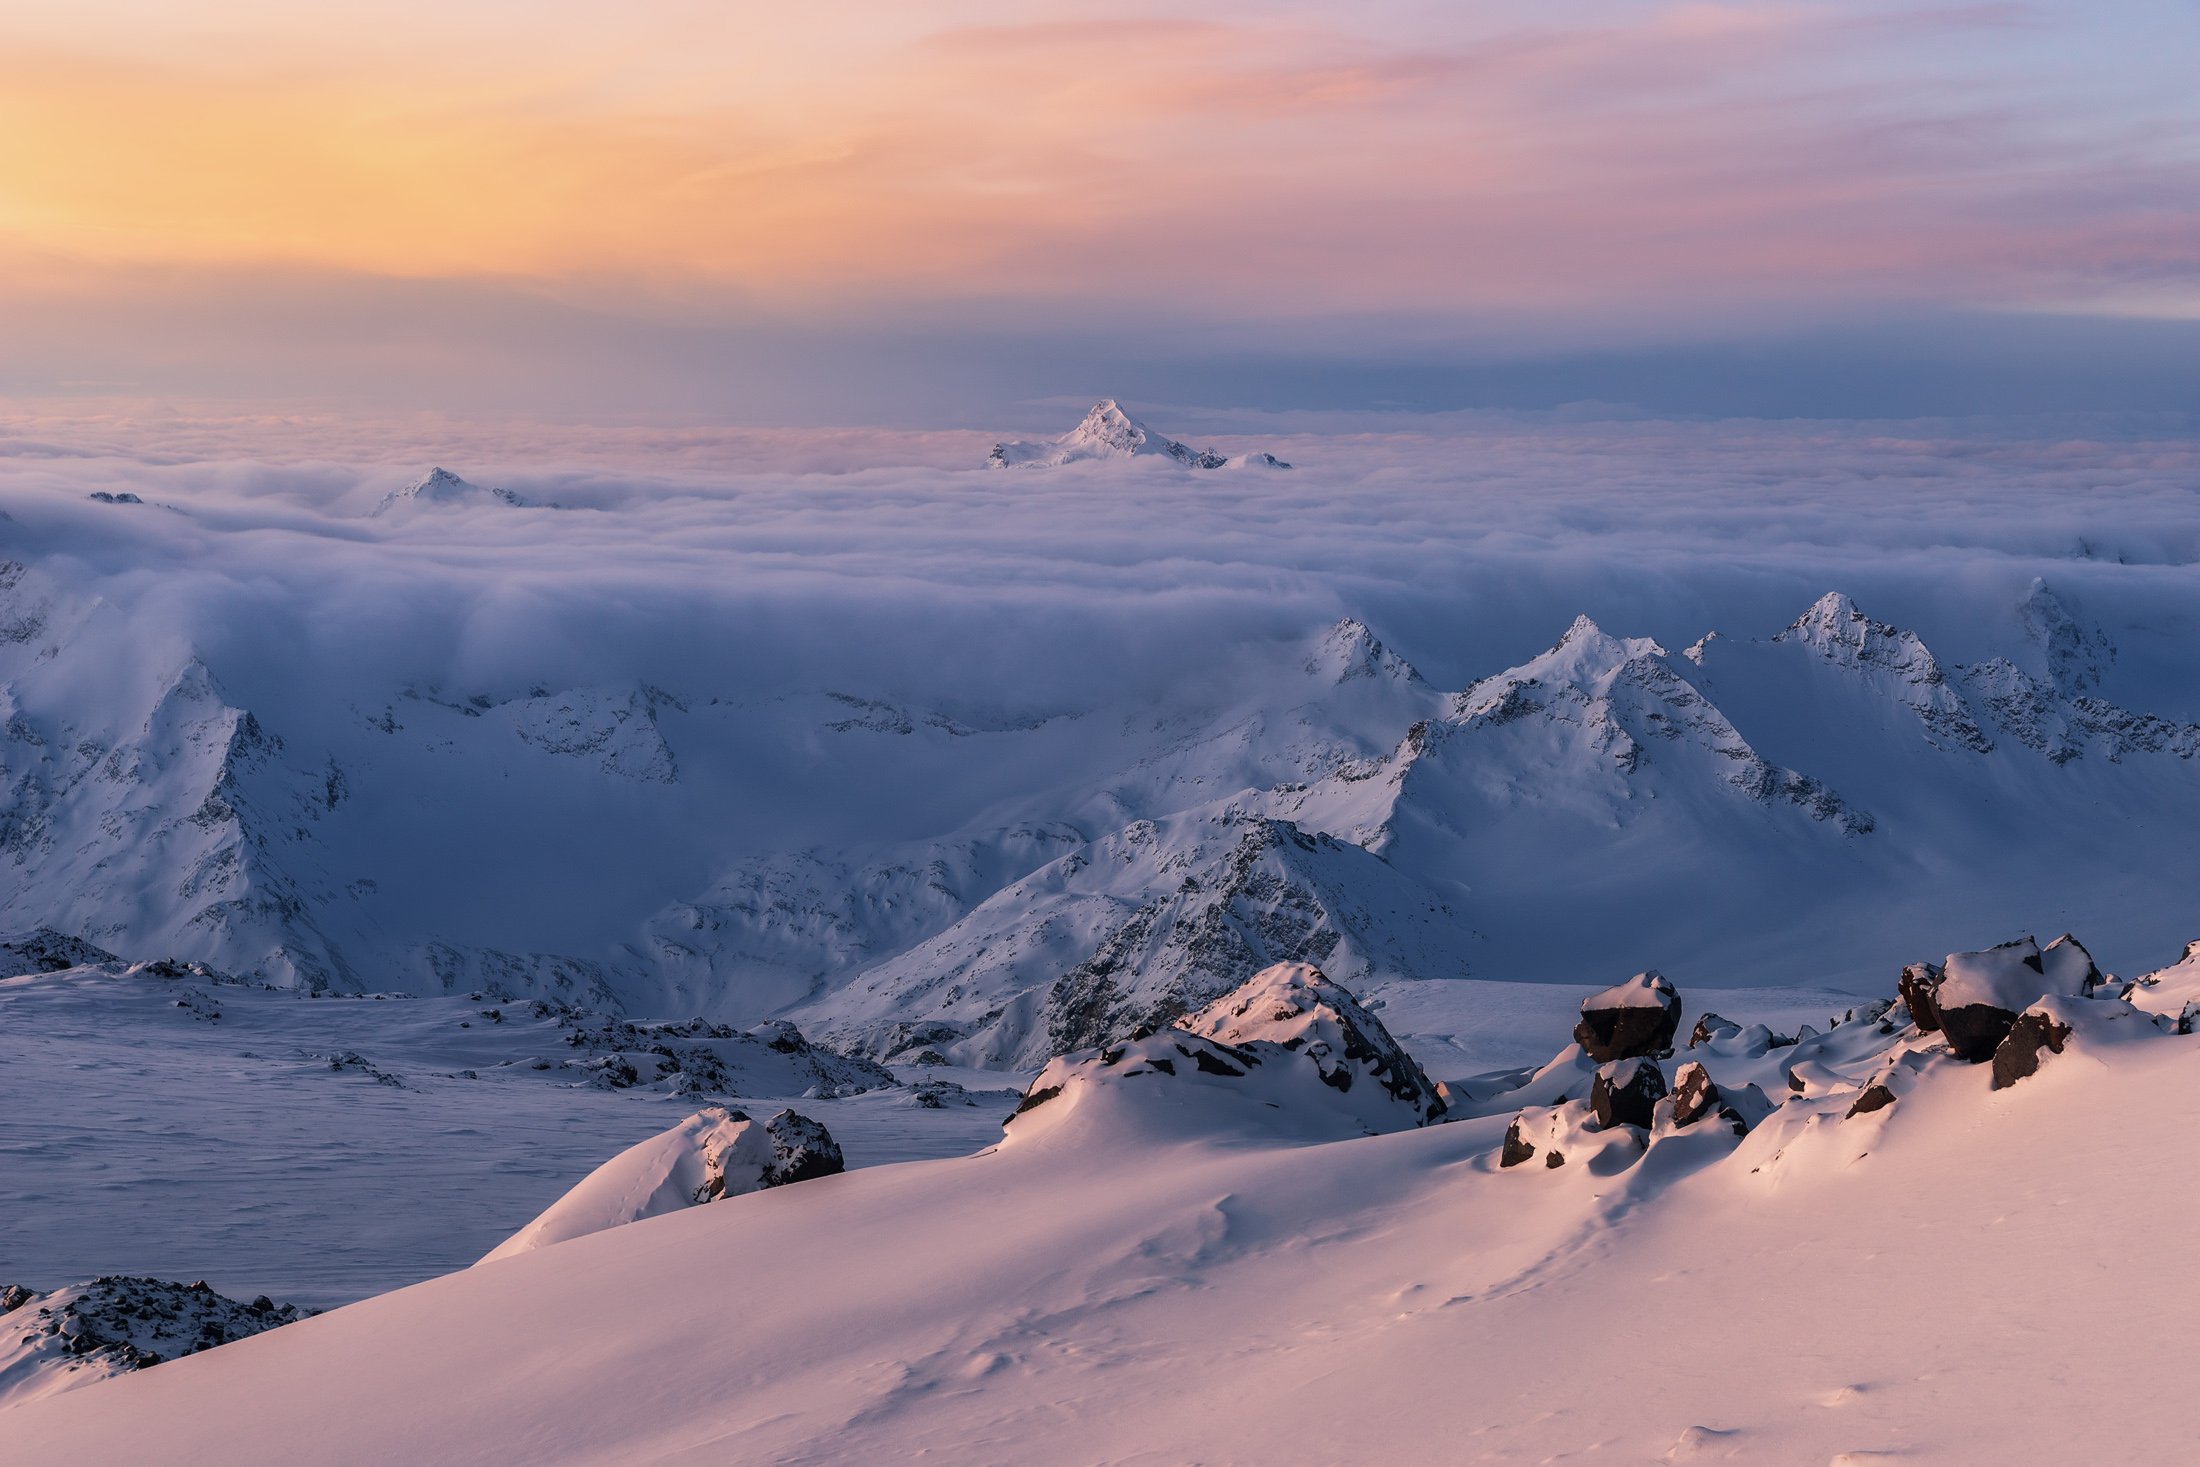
x=929 y=745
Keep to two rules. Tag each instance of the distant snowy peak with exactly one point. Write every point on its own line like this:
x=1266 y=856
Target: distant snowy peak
x=2073 y=655
x=1109 y=433
x=439 y=486
x=1894 y=660
x=1348 y=650
x=1585 y=722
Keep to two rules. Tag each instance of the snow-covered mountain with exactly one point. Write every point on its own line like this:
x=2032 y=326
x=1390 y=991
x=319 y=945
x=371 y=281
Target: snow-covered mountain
x=439 y=487
x=1108 y=432
x=900 y=878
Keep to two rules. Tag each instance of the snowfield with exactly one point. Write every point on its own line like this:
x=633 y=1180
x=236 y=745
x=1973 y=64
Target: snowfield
x=1171 y=1268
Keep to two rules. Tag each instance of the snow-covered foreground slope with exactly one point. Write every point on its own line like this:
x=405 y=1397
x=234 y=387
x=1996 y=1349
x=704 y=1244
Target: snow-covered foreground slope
x=1158 y=1273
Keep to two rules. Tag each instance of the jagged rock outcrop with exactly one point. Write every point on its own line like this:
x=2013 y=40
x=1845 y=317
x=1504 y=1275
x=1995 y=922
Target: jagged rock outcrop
x=1287 y=1051
x=1694 y=1095
x=82 y=1333
x=44 y=950
x=1710 y=1026
x=1916 y=987
x=1294 y=1005
x=1630 y=1020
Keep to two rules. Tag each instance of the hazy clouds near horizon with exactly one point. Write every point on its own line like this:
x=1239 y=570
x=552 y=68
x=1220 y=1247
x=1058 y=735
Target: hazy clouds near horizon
x=709 y=562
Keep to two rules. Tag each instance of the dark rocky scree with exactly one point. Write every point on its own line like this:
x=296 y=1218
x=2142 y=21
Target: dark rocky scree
x=693 y=1056
x=121 y=1322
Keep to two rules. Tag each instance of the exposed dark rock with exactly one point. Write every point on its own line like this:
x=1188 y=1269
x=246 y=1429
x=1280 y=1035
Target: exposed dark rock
x=2018 y=1054
x=1694 y=1094
x=1875 y=1096
x=1626 y=1092
x=1709 y=1027
x=1517 y=1148
x=1630 y=1020
x=1297 y=1006
x=1919 y=982
x=801 y=1149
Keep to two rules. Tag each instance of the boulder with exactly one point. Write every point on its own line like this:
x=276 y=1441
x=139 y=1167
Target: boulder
x=2060 y=1022
x=2069 y=968
x=1517 y=1147
x=1632 y=1020
x=2018 y=1054
x=1711 y=1026
x=1980 y=995
x=1626 y=1092
x=1694 y=1094
x=1917 y=986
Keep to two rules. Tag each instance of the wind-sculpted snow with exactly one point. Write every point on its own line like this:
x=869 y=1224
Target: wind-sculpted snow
x=712 y=1155
x=1166 y=1213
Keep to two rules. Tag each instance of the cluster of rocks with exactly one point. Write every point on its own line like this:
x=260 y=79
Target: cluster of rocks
x=1287 y=1042
x=119 y=1323
x=2012 y=1008
x=1627 y=1032
x=698 y=1057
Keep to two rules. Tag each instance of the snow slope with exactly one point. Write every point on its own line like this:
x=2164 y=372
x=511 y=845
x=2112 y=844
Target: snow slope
x=1147 y=1285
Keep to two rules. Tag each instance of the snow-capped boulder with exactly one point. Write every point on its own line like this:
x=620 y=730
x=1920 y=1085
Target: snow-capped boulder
x=1286 y=1051
x=82 y=1333
x=1630 y=1020
x=1108 y=432
x=1295 y=1006
x=1626 y=1092
x=2056 y=1022
x=1893 y=1079
x=1980 y=994
x=1694 y=1095
x=2068 y=967
x=1710 y=1026
x=714 y=1153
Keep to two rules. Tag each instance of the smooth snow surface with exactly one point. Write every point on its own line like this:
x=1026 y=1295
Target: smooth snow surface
x=1121 y=1290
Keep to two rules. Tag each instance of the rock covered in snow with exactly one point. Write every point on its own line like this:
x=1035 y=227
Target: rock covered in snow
x=1710 y=1026
x=713 y=1154
x=1295 y=1006
x=1286 y=1050
x=1569 y=1133
x=44 y=950
x=87 y=1332
x=1108 y=432
x=1630 y=1020
x=2057 y=1022
x=1980 y=994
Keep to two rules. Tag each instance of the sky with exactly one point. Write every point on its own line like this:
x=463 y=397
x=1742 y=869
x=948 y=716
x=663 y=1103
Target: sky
x=872 y=212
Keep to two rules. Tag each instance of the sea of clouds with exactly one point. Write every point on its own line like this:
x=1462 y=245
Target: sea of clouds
x=887 y=562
